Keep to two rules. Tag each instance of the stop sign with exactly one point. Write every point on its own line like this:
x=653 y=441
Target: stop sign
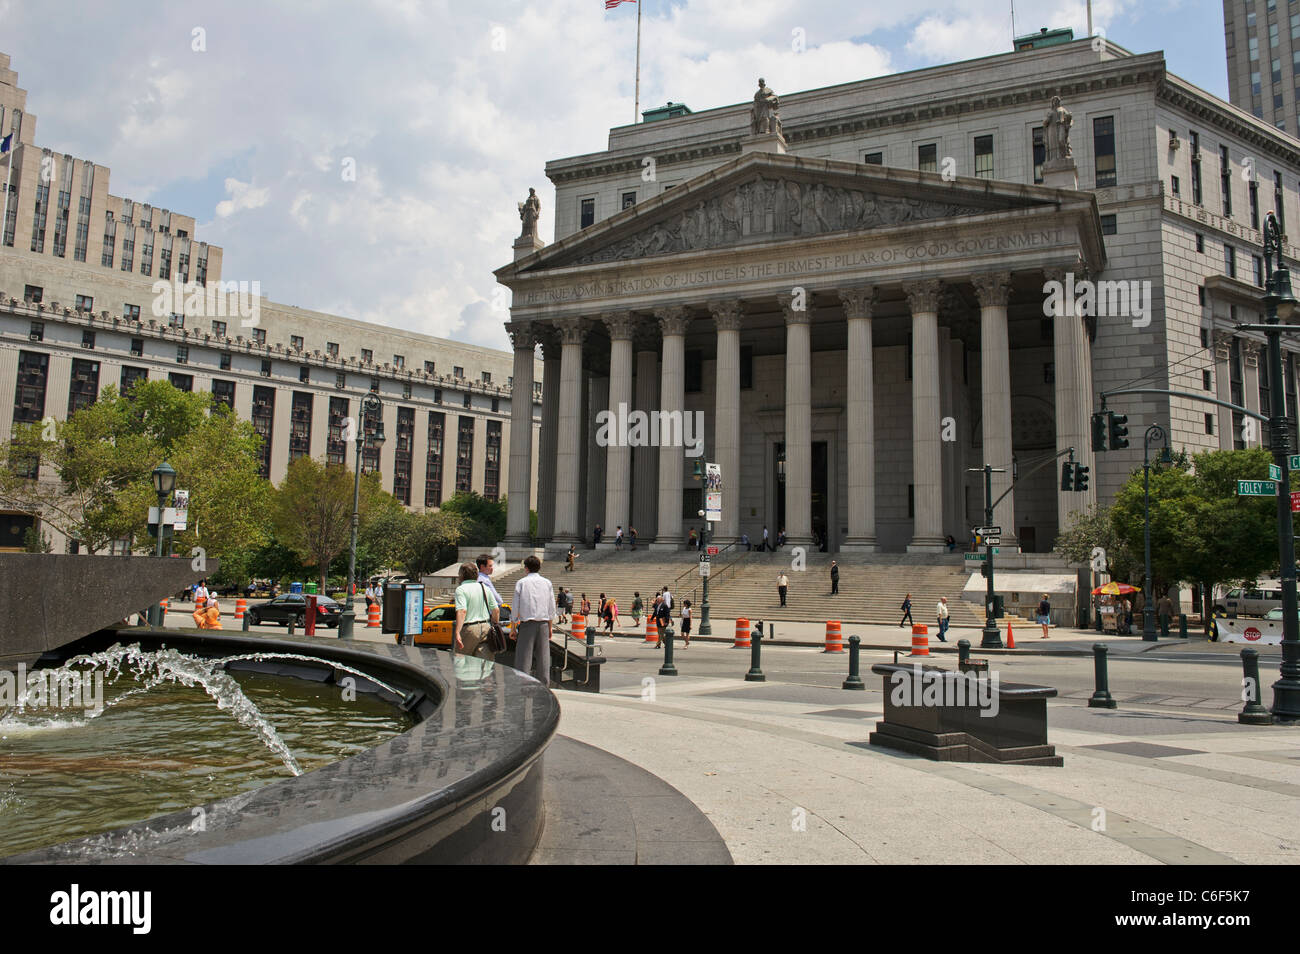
x=1252 y=633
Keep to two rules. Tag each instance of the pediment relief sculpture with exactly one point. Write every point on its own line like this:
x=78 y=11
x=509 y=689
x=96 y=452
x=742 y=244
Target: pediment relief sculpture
x=772 y=209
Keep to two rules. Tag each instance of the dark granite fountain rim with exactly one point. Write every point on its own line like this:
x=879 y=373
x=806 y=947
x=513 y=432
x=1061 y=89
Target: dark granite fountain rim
x=490 y=725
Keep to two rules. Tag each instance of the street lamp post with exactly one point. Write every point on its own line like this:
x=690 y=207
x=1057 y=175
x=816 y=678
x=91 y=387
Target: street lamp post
x=164 y=482
x=1154 y=432
x=706 y=627
x=991 y=638
x=369 y=403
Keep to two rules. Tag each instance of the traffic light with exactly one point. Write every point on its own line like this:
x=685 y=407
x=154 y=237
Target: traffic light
x=1067 y=475
x=1099 y=431
x=1080 y=477
x=1118 y=431
x=984 y=570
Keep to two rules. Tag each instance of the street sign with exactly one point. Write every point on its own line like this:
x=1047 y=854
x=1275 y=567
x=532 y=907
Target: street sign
x=1295 y=501
x=713 y=551
x=704 y=558
x=988 y=531
x=1274 y=472
x=1256 y=488
x=976 y=557
x=704 y=568
x=1294 y=461
x=992 y=541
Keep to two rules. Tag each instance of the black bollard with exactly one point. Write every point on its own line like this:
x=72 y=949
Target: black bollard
x=1182 y=625
x=1097 y=615
x=290 y=626
x=1254 y=713
x=755 y=673
x=666 y=637
x=246 y=621
x=963 y=652
x=1101 y=699
x=591 y=642
x=854 y=681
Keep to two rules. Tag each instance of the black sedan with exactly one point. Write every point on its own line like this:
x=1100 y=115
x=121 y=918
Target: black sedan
x=292 y=607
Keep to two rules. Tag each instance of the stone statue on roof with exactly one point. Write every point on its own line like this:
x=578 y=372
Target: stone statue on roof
x=765 y=117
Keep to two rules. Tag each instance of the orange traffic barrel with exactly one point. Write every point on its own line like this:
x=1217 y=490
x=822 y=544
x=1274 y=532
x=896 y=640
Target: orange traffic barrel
x=651 y=630
x=163 y=604
x=834 y=641
x=241 y=604
x=372 y=621
x=579 y=626
x=742 y=635
x=920 y=640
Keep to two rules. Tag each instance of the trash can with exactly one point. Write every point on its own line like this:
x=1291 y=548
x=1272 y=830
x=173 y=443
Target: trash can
x=295 y=587
x=312 y=587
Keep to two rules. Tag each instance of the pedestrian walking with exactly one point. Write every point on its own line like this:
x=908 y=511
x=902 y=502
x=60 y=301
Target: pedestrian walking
x=531 y=610
x=782 y=585
x=476 y=610
x=486 y=567
x=559 y=605
x=907 y=611
x=941 y=611
x=693 y=539
x=1044 y=614
x=201 y=594
x=663 y=615
x=601 y=609
x=780 y=539
x=1165 y=611
x=608 y=614
x=595 y=536
x=1128 y=617
x=744 y=541
x=835 y=578
x=631 y=533
x=568 y=606
x=573 y=555
x=766 y=545
x=686 y=623
x=637 y=606
x=618 y=538
x=586 y=606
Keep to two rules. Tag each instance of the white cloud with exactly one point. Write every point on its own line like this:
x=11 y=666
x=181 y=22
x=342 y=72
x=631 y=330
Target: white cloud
x=242 y=196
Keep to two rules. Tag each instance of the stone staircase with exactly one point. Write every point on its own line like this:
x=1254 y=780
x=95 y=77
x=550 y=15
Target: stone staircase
x=744 y=584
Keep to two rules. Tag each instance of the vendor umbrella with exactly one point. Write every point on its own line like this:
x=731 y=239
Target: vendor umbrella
x=1114 y=589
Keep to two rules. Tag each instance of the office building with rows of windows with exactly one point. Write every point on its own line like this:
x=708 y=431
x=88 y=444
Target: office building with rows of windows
x=1263 y=44
x=77 y=313
x=861 y=310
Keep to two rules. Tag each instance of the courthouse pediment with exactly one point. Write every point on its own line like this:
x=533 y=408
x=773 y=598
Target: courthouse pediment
x=765 y=198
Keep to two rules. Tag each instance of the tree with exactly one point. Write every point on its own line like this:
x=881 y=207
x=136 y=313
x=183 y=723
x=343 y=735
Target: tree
x=103 y=457
x=1093 y=529
x=484 y=521
x=311 y=510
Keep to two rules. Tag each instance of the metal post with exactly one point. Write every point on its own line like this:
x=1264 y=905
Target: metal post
x=156 y=615
x=706 y=628
x=1254 y=713
x=963 y=652
x=348 y=617
x=755 y=673
x=991 y=639
x=666 y=638
x=1155 y=431
x=855 y=680
x=1286 y=691
x=1101 y=699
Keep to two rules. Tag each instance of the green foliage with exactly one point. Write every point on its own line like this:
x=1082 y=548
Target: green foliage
x=483 y=522
x=103 y=457
x=1094 y=528
x=34 y=541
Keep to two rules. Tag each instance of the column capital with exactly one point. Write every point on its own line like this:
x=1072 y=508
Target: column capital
x=858 y=301
x=923 y=296
x=549 y=339
x=572 y=330
x=622 y=325
x=1223 y=345
x=993 y=289
x=1251 y=350
x=522 y=334
x=793 y=315
x=673 y=320
x=727 y=313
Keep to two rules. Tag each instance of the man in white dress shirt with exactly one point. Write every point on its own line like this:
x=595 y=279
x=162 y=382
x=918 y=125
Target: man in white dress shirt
x=532 y=610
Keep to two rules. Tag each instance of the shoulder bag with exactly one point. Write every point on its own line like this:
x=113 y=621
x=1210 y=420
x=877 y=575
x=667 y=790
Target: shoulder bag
x=496 y=637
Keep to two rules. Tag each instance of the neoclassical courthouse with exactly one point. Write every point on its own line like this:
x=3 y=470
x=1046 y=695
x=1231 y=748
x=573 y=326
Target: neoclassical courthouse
x=848 y=284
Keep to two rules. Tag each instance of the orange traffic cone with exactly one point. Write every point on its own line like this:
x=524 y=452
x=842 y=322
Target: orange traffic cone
x=1011 y=637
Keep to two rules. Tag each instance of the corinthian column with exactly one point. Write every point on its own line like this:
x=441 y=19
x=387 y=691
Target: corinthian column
x=1073 y=402
x=798 y=420
x=519 y=501
x=858 y=305
x=673 y=322
x=571 y=427
x=645 y=459
x=726 y=417
x=927 y=457
x=994 y=290
x=618 y=455
x=549 y=432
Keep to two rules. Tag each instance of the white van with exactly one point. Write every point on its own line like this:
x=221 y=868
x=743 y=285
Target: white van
x=1256 y=601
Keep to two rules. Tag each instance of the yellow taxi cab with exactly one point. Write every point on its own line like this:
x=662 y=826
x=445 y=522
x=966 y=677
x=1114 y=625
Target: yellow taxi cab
x=440 y=621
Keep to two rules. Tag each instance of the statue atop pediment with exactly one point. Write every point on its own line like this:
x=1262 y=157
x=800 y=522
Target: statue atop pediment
x=765 y=116
x=529 y=212
x=1056 y=132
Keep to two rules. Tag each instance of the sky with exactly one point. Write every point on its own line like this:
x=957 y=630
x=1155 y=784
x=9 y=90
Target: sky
x=366 y=157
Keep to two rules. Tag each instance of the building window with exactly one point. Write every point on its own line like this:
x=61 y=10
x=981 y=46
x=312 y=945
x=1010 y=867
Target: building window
x=304 y=374
x=1257 y=269
x=131 y=375
x=1200 y=242
x=1173 y=185
x=266 y=367
x=128 y=254
x=218 y=329
x=37 y=331
x=88 y=339
x=1229 y=261
x=465 y=454
x=629 y=200
x=399 y=361
x=1277 y=201
x=263 y=417
x=1236 y=392
x=1103 y=147
x=1225 y=179
x=492 y=462
x=181 y=382
x=1039 y=148
x=332 y=349
x=1209 y=423
x=38 y=218
x=259 y=337
x=437 y=395
x=496 y=405
x=1205 y=335
x=927 y=157
x=587 y=213
x=694 y=370
x=84 y=386
x=176 y=320
x=182 y=354
x=85 y=303
x=428 y=367
x=1194 y=141
x=374 y=385
x=340 y=380
x=458 y=371
x=983 y=157
x=300 y=425
x=367 y=356
x=336 y=445
x=467 y=399
x=1205 y=379
x=406 y=391
x=369 y=452
x=433 y=461
x=33 y=294
x=874 y=159
x=225 y=361
x=487 y=376
x=1253 y=188
x=1108 y=226
x=146 y=259
x=295 y=342
x=402 y=455
x=223 y=392
x=137 y=347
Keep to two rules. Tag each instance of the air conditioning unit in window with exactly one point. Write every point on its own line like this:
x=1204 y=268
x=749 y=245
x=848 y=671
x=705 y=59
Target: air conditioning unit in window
x=34 y=336
x=1174 y=142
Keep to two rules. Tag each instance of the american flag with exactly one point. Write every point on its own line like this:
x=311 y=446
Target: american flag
x=611 y=4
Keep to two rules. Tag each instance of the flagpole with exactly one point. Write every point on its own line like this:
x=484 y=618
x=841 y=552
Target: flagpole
x=4 y=217
x=636 y=109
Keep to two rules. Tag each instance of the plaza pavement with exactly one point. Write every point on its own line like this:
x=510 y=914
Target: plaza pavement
x=783 y=771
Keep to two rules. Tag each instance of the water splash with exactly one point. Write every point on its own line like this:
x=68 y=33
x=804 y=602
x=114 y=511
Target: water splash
x=152 y=668
x=259 y=657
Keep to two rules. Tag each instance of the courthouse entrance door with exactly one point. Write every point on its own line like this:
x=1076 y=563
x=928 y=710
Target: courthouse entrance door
x=820 y=507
